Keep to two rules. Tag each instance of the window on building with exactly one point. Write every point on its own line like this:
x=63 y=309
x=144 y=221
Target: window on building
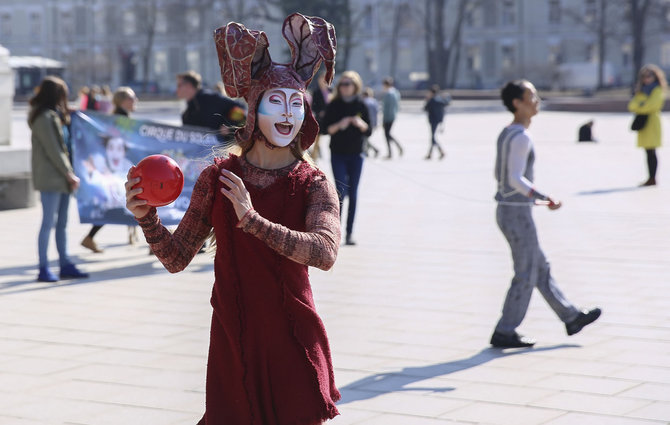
x=368 y=19
x=473 y=18
x=555 y=56
x=474 y=59
x=6 y=25
x=67 y=23
x=665 y=55
x=591 y=52
x=176 y=59
x=507 y=61
x=371 y=60
x=193 y=19
x=554 y=11
x=590 y=11
x=626 y=52
x=80 y=20
x=508 y=13
x=193 y=59
x=406 y=24
x=490 y=8
x=405 y=62
x=161 y=21
x=35 y=25
x=160 y=64
x=129 y=23
x=99 y=22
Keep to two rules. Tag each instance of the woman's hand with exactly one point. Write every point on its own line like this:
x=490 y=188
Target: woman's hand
x=73 y=181
x=138 y=207
x=236 y=193
x=344 y=123
x=340 y=125
x=359 y=123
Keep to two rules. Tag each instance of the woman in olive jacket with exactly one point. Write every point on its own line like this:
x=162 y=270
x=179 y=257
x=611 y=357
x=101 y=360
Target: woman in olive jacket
x=648 y=100
x=52 y=170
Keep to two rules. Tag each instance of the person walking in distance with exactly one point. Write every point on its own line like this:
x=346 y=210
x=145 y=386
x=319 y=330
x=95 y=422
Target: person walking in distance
x=648 y=101
x=205 y=108
x=320 y=99
x=52 y=173
x=272 y=214
x=516 y=195
x=373 y=113
x=348 y=124
x=390 y=106
x=436 y=107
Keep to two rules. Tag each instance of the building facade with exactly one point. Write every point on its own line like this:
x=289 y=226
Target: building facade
x=119 y=42
x=552 y=42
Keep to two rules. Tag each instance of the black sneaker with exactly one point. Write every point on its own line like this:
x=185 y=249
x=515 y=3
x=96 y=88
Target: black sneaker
x=515 y=340
x=585 y=317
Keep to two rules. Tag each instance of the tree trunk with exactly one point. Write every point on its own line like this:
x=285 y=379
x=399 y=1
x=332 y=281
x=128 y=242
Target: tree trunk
x=638 y=17
x=347 y=35
x=602 y=23
x=430 y=50
x=151 y=32
x=394 y=40
x=442 y=54
x=455 y=45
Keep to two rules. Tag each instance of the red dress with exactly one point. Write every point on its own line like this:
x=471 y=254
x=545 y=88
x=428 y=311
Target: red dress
x=269 y=357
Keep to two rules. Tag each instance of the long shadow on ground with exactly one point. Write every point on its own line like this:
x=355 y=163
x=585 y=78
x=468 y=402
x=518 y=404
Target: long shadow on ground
x=383 y=383
x=606 y=191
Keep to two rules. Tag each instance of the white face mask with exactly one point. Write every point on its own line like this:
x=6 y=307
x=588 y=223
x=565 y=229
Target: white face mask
x=280 y=115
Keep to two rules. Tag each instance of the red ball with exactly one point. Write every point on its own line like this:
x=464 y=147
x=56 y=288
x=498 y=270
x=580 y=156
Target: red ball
x=161 y=179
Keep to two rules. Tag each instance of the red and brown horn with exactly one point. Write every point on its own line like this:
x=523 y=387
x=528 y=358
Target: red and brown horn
x=243 y=55
x=312 y=41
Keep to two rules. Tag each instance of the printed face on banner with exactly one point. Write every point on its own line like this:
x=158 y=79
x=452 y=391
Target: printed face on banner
x=281 y=112
x=115 y=152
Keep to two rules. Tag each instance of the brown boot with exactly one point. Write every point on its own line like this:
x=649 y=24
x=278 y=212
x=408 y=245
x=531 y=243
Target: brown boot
x=89 y=243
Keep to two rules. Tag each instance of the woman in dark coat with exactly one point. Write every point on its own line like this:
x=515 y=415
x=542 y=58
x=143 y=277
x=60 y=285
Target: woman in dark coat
x=348 y=123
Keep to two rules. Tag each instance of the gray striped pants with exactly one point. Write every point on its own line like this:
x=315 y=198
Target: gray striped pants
x=531 y=270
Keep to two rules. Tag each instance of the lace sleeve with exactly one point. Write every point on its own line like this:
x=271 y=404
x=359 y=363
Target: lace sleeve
x=176 y=250
x=318 y=245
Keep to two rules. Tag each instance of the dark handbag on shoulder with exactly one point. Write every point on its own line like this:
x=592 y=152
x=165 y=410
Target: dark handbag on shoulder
x=639 y=122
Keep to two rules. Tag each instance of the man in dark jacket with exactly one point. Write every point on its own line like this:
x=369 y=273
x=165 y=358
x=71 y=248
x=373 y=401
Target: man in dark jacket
x=436 y=107
x=208 y=109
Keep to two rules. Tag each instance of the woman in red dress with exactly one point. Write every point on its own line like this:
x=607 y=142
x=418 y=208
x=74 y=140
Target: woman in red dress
x=272 y=214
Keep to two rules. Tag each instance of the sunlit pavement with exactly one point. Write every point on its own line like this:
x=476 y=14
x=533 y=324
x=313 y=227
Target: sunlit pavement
x=409 y=310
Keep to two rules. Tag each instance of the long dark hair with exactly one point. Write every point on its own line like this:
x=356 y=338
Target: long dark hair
x=51 y=94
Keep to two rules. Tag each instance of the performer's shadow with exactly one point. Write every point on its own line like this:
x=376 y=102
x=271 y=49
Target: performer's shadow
x=606 y=191
x=389 y=382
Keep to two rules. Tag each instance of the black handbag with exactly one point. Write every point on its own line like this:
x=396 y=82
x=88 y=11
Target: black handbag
x=639 y=122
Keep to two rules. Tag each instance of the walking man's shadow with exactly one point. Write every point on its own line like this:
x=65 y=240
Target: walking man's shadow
x=606 y=191
x=382 y=383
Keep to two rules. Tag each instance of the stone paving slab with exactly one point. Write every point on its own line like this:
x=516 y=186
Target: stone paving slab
x=409 y=310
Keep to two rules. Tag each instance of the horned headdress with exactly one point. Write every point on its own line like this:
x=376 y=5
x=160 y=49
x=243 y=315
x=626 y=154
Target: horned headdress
x=247 y=70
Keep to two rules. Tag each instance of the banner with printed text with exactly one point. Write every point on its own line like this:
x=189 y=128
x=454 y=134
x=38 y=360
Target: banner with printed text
x=106 y=146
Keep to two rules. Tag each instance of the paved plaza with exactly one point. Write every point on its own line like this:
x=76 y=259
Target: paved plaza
x=409 y=310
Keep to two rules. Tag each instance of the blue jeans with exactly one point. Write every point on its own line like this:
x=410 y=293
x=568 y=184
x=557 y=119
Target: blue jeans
x=54 y=204
x=347 y=170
